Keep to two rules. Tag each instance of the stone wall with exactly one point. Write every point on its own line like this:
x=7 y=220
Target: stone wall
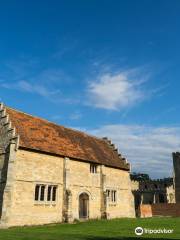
x=153 y=191
x=120 y=181
x=31 y=169
x=8 y=146
x=80 y=180
x=161 y=209
x=176 y=163
x=71 y=178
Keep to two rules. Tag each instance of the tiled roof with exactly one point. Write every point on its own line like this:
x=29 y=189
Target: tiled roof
x=41 y=135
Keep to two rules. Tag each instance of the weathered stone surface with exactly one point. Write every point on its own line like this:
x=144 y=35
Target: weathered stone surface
x=8 y=146
x=176 y=163
x=22 y=169
x=32 y=168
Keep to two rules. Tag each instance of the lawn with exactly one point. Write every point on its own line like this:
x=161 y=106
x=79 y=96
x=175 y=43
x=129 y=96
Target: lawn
x=95 y=230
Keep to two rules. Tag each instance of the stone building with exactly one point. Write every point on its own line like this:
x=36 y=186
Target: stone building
x=176 y=163
x=152 y=191
x=50 y=174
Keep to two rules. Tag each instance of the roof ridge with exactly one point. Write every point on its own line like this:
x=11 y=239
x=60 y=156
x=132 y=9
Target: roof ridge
x=68 y=142
x=43 y=119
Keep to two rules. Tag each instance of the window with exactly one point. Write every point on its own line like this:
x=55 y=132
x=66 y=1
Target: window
x=93 y=168
x=45 y=192
x=39 y=192
x=54 y=193
x=112 y=195
x=51 y=194
x=42 y=193
x=108 y=193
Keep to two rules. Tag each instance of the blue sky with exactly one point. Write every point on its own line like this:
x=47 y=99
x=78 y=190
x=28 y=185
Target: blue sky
x=110 y=68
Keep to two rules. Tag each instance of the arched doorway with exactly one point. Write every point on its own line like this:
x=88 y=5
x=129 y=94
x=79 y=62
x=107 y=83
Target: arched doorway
x=83 y=205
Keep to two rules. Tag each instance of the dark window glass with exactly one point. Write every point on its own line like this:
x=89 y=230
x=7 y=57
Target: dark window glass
x=49 y=193
x=54 y=194
x=114 y=196
x=108 y=193
x=93 y=168
x=36 y=193
x=42 y=193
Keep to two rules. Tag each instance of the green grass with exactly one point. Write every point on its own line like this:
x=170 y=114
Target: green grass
x=94 y=230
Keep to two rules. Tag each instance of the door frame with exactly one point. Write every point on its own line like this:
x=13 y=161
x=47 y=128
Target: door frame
x=86 y=198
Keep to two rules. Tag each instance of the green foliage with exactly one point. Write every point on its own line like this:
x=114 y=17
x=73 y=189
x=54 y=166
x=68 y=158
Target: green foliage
x=140 y=176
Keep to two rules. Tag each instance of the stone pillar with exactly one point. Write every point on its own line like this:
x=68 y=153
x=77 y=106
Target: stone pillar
x=2 y=158
x=67 y=195
x=176 y=163
x=9 y=142
x=8 y=191
x=2 y=178
x=69 y=207
x=103 y=192
x=107 y=206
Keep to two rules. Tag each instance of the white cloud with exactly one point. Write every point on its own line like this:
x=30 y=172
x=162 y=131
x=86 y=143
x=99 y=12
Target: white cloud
x=148 y=149
x=28 y=78
x=30 y=88
x=117 y=91
x=76 y=116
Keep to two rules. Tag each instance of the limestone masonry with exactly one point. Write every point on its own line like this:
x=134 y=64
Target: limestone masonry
x=176 y=163
x=50 y=174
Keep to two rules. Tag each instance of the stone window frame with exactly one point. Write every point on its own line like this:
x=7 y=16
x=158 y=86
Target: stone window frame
x=53 y=195
x=38 y=199
x=112 y=195
x=39 y=193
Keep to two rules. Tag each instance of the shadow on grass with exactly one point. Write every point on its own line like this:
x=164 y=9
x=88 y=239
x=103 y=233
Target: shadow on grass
x=18 y=236
x=123 y=238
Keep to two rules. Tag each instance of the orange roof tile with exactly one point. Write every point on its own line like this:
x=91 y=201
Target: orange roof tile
x=41 y=135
